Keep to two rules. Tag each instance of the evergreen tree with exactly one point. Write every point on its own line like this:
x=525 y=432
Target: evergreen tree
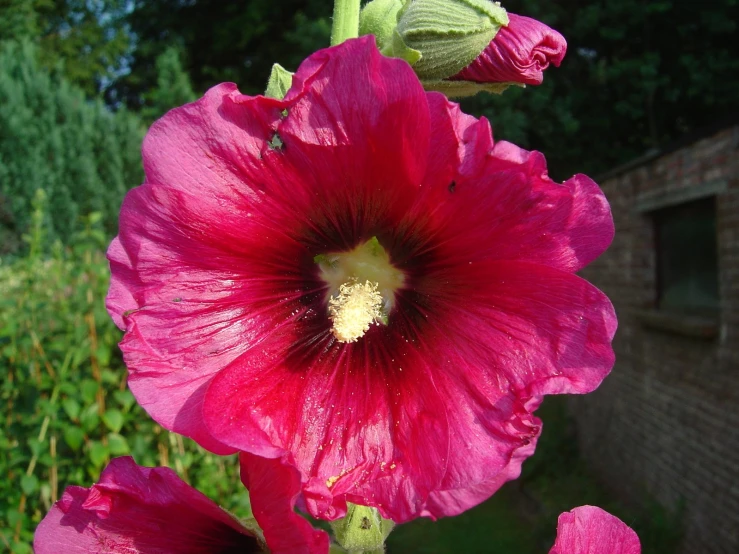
x=18 y=19
x=173 y=86
x=53 y=137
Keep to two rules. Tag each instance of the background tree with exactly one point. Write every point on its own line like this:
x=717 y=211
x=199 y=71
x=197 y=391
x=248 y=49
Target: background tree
x=52 y=137
x=222 y=41
x=637 y=75
x=87 y=41
x=173 y=86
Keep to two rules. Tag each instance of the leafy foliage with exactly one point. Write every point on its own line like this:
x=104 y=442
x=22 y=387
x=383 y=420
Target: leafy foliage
x=222 y=41
x=87 y=41
x=66 y=408
x=52 y=136
x=637 y=75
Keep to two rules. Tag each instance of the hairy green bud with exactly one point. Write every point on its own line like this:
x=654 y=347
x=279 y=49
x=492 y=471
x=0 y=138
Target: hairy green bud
x=380 y=18
x=439 y=38
x=280 y=81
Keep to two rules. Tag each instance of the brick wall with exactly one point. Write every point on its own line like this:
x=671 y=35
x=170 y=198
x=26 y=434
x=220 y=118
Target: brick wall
x=666 y=421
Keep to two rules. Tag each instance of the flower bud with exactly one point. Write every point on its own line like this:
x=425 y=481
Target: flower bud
x=379 y=18
x=280 y=81
x=519 y=53
x=462 y=47
x=439 y=38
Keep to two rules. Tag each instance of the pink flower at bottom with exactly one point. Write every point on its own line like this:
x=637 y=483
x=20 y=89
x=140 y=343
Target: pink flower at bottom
x=519 y=53
x=591 y=530
x=357 y=281
x=134 y=509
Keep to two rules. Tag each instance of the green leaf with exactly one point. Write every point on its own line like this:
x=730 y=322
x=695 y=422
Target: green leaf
x=89 y=389
x=280 y=81
x=81 y=354
x=124 y=398
x=70 y=389
x=72 y=407
x=98 y=453
x=89 y=418
x=118 y=445
x=110 y=377
x=36 y=446
x=29 y=484
x=21 y=548
x=74 y=437
x=113 y=420
x=13 y=516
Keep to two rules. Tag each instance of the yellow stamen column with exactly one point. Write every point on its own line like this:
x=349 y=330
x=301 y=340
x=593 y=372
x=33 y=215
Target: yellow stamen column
x=354 y=309
x=361 y=288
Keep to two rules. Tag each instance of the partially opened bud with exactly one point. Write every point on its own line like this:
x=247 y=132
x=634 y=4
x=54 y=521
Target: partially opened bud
x=519 y=53
x=462 y=47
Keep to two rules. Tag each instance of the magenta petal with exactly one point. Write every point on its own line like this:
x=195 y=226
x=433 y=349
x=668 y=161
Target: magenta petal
x=534 y=329
x=591 y=530
x=143 y=510
x=519 y=53
x=178 y=270
x=273 y=489
x=124 y=283
x=350 y=436
x=455 y=501
x=367 y=111
x=388 y=435
x=210 y=148
x=565 y=226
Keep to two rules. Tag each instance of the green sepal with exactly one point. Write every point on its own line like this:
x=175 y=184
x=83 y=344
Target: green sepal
x=448 y=34
x=379 y=18
x=363 y=529
x=252 y=525
x=460 y=89
x=280 y=81
x=401 y=50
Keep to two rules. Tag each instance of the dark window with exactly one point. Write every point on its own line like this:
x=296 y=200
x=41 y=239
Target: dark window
x=687 y=260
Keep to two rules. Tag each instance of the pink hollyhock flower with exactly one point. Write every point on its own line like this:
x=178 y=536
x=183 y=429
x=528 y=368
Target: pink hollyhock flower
x=590 y=530
x=151 y=510
x=359 y=281
x=519 y=53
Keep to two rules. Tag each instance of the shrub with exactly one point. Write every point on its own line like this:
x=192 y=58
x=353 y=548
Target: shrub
x=66 y=408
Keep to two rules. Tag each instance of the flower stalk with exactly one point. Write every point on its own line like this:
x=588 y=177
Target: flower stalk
x=363 y=530
x=346 y=21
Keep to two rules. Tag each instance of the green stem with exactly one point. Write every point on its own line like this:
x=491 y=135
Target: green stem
x=346 y=21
